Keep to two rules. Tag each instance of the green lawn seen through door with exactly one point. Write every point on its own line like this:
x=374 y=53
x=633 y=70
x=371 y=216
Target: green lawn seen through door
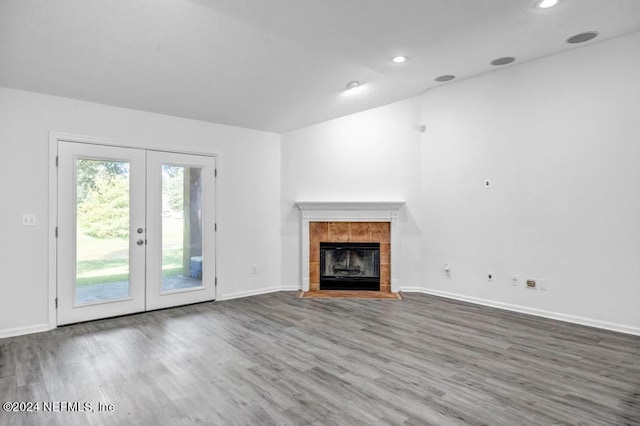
x=105 y=260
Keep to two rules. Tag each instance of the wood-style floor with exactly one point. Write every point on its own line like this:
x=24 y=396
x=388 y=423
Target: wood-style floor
x=277 y=359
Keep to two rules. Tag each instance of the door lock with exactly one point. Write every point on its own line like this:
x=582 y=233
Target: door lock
x=140 y=242
x=140 y=230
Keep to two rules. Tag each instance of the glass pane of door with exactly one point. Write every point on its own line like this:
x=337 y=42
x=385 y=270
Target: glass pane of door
x=102 y=230
x=182 y=260
x=101 y=251
x=180 y=229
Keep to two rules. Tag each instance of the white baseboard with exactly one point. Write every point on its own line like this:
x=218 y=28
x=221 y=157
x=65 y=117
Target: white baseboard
x=411 y=289
x=19 y=331
x=248 y=293
x=621 y=328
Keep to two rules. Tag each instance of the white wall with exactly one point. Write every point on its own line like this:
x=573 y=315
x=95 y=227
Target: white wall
x=560 y=140
x=370 y=156
x=558 y=137
x=248 y=193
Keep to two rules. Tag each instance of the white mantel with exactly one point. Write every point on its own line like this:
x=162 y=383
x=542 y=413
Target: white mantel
x=359 y=211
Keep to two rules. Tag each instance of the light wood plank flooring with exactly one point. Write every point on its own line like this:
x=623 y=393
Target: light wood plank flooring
x=276 y=359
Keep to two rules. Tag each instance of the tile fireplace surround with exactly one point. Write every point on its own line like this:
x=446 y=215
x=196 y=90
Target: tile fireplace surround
x=340 y=217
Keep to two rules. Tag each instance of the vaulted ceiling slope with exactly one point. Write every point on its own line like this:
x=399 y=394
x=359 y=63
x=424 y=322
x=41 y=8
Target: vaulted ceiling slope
x=277 y=65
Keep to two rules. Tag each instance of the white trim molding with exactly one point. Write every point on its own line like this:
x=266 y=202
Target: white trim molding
x=355 y=205
x=621 y=328
x=358 y=211
x=247 y=293
x=21 y=331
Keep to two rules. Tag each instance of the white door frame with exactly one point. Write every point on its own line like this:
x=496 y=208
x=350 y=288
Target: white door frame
x=69 y=309
x=156 y=297
x=54 y=137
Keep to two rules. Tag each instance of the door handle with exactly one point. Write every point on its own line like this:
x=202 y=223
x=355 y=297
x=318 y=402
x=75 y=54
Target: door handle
x=140 y=242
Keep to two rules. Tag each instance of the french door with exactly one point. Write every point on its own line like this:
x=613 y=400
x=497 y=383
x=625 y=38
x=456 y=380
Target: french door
x=136 y=230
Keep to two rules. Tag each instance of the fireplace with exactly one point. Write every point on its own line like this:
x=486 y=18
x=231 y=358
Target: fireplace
x=350 y=266
x=350 y=222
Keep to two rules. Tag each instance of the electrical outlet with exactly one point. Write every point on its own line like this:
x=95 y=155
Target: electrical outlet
x=514 y=280
x=543 y=284
x=447 y=268
x=254 y=269
x=531 y=284
x=28 y=219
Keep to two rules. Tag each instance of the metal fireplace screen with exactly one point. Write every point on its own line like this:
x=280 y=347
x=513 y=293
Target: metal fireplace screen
x=350 y=266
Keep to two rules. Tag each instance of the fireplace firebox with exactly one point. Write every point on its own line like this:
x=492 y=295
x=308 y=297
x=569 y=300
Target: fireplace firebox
x=350 y=266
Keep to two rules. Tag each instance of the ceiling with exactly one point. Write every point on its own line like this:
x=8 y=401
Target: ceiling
x=277 y=65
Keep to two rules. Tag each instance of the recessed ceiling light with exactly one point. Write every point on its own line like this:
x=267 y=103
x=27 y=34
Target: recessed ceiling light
x=545 y=4
x=582 y=37
x=399 y=59
x=353 y=84
x=503 y=61
x=445 y=78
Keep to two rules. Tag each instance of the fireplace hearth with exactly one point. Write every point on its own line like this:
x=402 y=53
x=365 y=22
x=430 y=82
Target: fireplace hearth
x=350 y=266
